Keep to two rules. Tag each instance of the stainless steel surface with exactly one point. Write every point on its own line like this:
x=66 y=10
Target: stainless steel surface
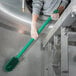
x=11 y=14
x=64 y=53
x=72 y=62
x=36 y=61
x=11 y=43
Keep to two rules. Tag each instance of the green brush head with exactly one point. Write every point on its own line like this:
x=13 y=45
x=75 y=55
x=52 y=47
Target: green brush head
x=11 y=64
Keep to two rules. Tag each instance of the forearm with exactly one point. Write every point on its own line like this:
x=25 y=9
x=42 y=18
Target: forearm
x=34 y=20
x=37 y=5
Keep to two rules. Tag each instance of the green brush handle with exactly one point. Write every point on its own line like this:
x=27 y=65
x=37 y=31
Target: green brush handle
x=31 y=40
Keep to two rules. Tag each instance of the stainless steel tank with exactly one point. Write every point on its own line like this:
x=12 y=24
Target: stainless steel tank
x=12 y=16
x=14 y=22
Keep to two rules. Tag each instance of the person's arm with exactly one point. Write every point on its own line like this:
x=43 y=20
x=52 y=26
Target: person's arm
x=34 y=33
x=61 y=8
x=37 y=5
x=63 y=5
x=34 y=20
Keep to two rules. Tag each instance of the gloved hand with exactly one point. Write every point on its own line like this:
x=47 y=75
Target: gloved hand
x=55 y=16
x=34 y=33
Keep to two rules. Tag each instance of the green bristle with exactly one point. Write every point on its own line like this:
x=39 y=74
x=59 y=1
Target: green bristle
x=11 y=64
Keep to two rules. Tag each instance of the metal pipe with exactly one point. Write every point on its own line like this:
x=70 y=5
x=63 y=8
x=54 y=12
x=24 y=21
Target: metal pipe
x=23 y=5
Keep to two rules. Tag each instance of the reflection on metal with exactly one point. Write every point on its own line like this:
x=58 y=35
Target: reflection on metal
x=11 y=15
x=14 y=29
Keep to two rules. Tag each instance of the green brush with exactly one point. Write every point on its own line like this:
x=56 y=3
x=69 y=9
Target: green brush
x=13 y=62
